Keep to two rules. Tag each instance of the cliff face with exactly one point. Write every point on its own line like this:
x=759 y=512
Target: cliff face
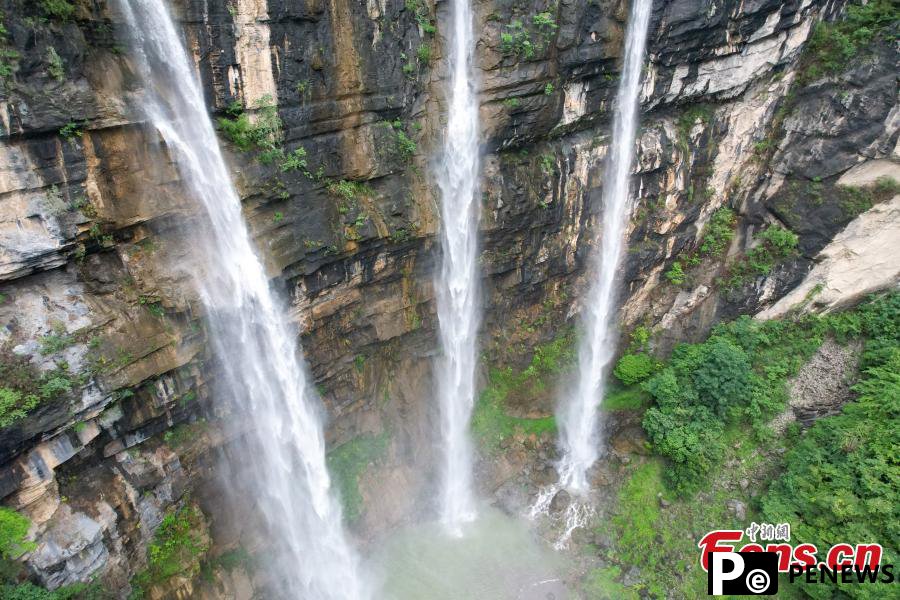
x=95 y=232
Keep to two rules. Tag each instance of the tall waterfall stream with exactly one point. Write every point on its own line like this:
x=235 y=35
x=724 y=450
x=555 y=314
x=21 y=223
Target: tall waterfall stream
x=578 y=414
x=258 y=349
x=457 y=281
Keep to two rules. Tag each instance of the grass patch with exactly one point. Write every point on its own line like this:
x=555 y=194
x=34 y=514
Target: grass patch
x=692 y=114
x=775 y=244
x=348 y=462
x=856 y=200
x=638 y=510
x=833 y=45
x=717 y=235
x=713 y=401
x=842 y=477
x=23 y=388
x=625 y=398
x=491 y=424
x=601 y=584
x=177 y=548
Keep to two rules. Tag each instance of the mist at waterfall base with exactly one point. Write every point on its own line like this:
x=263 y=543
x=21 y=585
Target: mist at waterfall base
x=578 y=413
x=456 y=283
x=496 y=557
x=309 y=556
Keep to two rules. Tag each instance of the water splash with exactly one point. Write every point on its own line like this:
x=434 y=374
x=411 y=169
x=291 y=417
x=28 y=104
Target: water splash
x=578 y=414
x=579 y=513
x=457 y=284
x=257 y=349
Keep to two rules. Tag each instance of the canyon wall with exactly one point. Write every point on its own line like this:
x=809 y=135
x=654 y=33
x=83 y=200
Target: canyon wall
x=96 y=256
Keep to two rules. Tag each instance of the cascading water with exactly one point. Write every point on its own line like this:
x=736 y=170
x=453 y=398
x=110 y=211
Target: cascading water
x=457 y=285
x=579 y=413
x=263 y=374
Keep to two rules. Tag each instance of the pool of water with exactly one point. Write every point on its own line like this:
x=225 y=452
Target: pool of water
x=496 y=558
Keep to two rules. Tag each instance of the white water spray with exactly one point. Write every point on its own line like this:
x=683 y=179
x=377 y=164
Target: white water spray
x=579 y=413
x=457 y=285
x=256 y=348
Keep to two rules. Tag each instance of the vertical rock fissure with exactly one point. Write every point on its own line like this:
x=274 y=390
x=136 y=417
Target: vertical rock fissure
x=457 y=282
x=579 y=410
x=263 y=374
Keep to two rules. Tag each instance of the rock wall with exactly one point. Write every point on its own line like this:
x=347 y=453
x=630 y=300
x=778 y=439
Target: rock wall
x=95 y=232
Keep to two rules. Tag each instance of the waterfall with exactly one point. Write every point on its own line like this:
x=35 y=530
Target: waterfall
x=255 y=346
x=457 y=284
x=578 y=415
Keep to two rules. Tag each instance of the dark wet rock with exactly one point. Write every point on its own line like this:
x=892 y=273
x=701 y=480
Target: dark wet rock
x=560 y=502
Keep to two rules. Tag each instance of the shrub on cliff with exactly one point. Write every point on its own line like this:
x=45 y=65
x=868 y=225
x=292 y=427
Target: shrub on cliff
x=738 y=378
x=179 y=544
x=58 y=9
x=13 y=529
x=634 y=368
x=24 y=388
x=842 y=480
x=832 y=45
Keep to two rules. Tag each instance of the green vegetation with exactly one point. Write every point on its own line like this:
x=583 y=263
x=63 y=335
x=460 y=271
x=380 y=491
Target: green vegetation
x=405 y=146
x=842 y=479
x=627 y=398
x=738 y=376
x=548 y=164
x=491 y=424
x=228 y=561
x=263 y=133
x=512 y=103
x=13 y=529
x=177 y=548
x=58 y=9
x=15 y=406
x=856 y=200
x=775 y=244
x=638 y=525
x=294 y=161
x=712 y=404
x=55 y=67
x=348 y=462
x=675 y=274
x=152 y=305
x=833 y=45
x=657 y=540
x=57 y=341
x=422 y=15
x=184 y=433
x=601 y=584
x=548 y=89
x=23 y=388
x=718 y=233
x=348 y=190
x=71 y=130
x=7 y=60
x=696 y=112
x=525 y=42
x=634 y=368
x=423 y=54
x=76 y=591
